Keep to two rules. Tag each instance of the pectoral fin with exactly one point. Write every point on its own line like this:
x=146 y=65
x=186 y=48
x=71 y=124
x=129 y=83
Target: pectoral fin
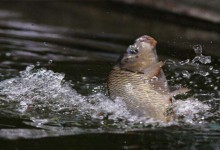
x=153 y=70
x=179 y=91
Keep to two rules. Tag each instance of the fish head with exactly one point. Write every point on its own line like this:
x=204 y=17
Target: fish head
x=140 y=55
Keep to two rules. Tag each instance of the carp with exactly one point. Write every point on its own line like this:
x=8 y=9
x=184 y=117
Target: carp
x=139 y=80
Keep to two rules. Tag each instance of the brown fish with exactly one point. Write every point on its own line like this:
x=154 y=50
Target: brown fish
x=139 y=79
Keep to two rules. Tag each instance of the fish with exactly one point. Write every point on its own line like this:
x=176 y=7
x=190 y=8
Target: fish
x=138 y=78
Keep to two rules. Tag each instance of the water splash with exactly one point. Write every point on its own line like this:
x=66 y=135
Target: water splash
x=40 y=93
x=201 y=76
x=191 y=110
x=47 y=98
x=199 y=56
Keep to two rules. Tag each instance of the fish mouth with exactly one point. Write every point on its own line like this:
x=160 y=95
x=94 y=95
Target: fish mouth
x=147 y=39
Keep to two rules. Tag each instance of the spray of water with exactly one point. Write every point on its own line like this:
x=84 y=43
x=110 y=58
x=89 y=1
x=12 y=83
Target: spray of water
x=44 y=95
x=42 y=92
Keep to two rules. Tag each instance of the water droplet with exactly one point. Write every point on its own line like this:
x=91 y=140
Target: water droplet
x=202 y=59
x=29 y=68
x=211 y=67
x=84 y=78
x=215 y=88
x=205 y=59
x=215 y=71
x=38 y=63
x=186 y=74
x=170 y=62
x=50 y=62
x=22 y=103
x=195 y=85
x=8 y=54
x=179 y=79
x=198 y=49
x=177 y=74
x=184 y=62
x=191 y=82
x=203 y=73
x=195 y=59
x=102 y=122
x=45 y=44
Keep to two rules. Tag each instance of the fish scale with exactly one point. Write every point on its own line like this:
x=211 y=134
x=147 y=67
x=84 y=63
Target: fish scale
x=143 y=100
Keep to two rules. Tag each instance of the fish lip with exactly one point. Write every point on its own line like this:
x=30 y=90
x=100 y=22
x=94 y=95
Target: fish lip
x=147 y=39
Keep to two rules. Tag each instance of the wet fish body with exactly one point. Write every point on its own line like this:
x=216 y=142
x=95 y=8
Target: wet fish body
x=139 y=79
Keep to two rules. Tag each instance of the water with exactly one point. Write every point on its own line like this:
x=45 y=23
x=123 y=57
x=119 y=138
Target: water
x=53 y=73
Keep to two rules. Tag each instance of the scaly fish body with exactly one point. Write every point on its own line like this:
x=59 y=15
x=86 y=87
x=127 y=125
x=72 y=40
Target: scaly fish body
x=139 y=79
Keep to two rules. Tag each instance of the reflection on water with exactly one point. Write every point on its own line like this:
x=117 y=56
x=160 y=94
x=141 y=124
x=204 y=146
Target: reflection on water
x=53 y=71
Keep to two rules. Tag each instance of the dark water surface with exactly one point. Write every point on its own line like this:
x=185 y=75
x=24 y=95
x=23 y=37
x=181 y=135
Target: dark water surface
x=54 y=61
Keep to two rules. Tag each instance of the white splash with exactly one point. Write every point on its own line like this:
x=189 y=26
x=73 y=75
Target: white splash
x=190 y=110
x=46 y=92
x=43 y=89
x=199 y=56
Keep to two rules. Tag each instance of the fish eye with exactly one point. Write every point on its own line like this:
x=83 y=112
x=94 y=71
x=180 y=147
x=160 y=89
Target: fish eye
x=132 y=50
